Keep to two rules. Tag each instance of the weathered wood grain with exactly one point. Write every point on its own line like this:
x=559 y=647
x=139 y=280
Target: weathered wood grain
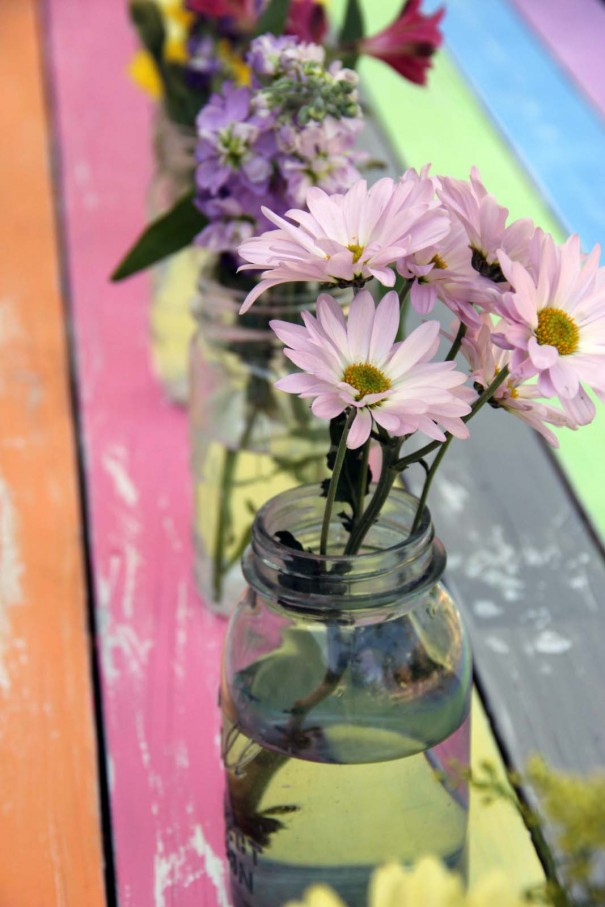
x=50 y=832
x=159 y=647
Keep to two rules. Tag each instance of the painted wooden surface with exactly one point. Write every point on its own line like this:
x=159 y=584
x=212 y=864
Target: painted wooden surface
x=574 y=35
x=531 y=586
x=50 y=833
x=159 y=647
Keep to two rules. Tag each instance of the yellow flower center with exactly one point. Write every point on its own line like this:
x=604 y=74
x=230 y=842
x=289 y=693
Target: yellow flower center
x=366 y=379
x=557 y=329
x=357 y=251
x=438 y=263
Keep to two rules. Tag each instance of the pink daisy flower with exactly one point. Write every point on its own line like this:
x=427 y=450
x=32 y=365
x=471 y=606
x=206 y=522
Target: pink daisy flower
x=515 y=395
x=554 y=323
x=357 y=363
x=444 y=271
x=484 y=222
x=346 y=239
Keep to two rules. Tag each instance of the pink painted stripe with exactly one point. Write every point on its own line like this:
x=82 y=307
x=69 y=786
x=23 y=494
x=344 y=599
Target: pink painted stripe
x=159 y=648
x=574 y=30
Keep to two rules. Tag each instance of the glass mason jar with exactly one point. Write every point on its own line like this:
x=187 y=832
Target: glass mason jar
x=345 y=698
x=173 y=280
x=248 y=440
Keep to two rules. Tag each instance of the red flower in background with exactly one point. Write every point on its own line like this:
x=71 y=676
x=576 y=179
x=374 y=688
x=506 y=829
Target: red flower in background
x=306 y=18
x=408 y=43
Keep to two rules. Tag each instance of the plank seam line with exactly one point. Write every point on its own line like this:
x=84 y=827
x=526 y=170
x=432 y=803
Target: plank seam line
x=44 y=27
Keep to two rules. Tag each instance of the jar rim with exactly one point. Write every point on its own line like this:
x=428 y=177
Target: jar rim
x=301 y=492
x=310 y=582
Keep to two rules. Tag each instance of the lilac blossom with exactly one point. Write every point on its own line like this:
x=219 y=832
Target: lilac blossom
x=294 y=129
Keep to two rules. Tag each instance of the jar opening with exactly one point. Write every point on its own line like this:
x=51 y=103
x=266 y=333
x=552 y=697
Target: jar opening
x=392 y=564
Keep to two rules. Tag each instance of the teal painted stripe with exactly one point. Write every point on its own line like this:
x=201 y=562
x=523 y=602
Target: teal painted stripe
x=548 y=122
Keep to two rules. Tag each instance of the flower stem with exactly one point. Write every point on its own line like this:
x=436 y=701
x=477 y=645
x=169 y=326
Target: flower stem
x=363 y=479
x=340 y=456
x=427 y=483
x=457 y=343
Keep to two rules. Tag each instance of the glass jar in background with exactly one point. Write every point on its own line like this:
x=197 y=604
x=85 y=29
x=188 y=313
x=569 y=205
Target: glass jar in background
x=248 y=440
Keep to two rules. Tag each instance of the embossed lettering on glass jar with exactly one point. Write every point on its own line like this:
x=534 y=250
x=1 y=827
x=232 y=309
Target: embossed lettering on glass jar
x=345 y=697
x=249 y=442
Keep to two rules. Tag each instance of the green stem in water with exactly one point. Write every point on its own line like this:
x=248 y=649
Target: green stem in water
x=340 y=455
x=224 y=517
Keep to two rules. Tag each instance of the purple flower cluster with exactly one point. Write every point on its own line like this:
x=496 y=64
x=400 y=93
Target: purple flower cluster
x=267 y=144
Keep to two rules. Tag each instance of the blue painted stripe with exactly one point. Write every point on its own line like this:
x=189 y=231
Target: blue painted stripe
x=553 y=130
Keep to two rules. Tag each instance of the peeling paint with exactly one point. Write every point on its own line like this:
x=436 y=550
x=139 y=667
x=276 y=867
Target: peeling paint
x=549 y=642
x=497 y=645
x=454 y=495
x=115 y=466
x=495 y=563
x=184 y=866
x=11 y=571
x=213 y=864
x=487 y=609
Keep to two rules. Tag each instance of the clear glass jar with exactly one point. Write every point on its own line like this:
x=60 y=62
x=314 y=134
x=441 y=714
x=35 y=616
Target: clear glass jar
x=173 y=280
x=345 y=698
x=248 y=440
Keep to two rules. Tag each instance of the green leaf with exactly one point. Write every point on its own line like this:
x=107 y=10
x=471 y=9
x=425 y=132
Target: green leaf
x=274 y=18
x=148 y=21
x=168 y=234
x=353 y=25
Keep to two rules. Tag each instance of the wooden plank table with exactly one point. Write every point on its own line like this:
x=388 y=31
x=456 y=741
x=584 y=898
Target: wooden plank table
x=144 y=806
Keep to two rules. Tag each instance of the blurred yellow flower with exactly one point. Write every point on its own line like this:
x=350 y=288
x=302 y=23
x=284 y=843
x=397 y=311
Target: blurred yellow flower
x=144 y=73
x=233 y=62
x=318 y=896
x=428 y=884
x=142 y=68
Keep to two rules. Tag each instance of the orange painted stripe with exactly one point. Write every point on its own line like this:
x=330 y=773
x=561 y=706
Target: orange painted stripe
x=49 y=814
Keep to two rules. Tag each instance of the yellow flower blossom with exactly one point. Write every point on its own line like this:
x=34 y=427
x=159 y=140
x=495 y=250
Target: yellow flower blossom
x=427 y=884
